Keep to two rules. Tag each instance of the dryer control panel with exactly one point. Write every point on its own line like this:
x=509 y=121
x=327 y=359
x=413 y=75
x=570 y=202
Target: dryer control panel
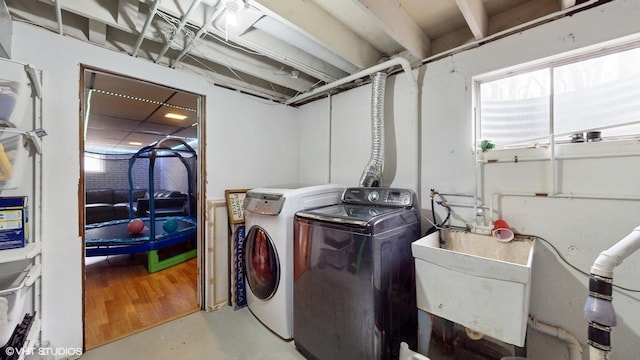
x=266 y=204
x=379 y=196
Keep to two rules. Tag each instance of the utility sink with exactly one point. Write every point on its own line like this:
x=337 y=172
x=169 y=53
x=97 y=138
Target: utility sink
x=476 y=281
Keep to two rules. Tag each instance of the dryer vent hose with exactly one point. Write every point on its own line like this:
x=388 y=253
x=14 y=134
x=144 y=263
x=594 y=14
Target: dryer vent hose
x=372 y=174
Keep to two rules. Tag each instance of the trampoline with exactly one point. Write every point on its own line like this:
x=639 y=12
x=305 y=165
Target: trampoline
x=113 y=238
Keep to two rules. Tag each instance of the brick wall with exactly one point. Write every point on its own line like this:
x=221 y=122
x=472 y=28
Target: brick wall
x=169 y=174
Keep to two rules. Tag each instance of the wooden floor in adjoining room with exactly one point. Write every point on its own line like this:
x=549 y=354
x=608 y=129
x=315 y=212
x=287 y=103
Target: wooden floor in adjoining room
x=122 y=298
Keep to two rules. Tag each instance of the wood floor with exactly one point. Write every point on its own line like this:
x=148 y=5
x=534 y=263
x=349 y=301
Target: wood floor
x=122 y=298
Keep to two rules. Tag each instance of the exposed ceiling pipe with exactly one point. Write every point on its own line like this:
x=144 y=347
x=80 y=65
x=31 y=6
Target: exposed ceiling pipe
x=59 y=17
x=203 y=30
x=181 y=25
x=147 y=23
x=513 y=30
x=406 y=66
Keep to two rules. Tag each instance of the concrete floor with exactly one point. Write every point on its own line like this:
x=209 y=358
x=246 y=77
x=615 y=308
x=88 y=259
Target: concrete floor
x=220 y=335
x=224 y=334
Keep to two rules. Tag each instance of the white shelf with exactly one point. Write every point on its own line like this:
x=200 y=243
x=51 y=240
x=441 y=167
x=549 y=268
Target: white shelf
x=30 y=251
x=26 y=83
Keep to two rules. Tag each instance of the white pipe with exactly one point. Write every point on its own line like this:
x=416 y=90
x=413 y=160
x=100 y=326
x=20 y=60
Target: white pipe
x=477 y=167
x=147 y=22
x=496 y=195
x=552 y=141
x=575 y=349
x=201 y=31
x=609 y=259
x=598 y=309
x=379 y=67
x=415 y=92
x=330 y=136
x=181 y=25
x=510 y=31
x=597 y=354
x=59 y=16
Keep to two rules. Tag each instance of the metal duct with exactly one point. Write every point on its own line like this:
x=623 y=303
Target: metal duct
x=372 y=174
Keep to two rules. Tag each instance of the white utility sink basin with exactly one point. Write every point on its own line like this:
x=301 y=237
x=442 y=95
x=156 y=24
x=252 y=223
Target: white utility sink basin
x=476 y=281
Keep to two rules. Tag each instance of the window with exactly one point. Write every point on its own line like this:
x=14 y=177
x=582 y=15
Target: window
x=592 y=92
x=93 y=163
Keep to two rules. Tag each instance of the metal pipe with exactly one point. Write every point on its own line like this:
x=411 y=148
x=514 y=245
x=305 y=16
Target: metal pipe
x=147 y=23
x=181 y=25
x=203 y=30
x=372 y=173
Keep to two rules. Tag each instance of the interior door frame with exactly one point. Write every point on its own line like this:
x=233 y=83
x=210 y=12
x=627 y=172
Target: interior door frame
x=203 y=286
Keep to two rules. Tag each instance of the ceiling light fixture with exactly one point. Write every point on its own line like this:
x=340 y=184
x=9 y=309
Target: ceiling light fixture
x=232 y=13
x=175 y=116
x=135 y=143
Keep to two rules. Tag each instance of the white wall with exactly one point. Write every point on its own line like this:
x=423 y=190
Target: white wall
x=344 y=155
x=314 y=124
x=249 y=143
x=579 y=228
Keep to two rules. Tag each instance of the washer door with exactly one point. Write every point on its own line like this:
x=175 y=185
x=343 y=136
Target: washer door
x=262 y=267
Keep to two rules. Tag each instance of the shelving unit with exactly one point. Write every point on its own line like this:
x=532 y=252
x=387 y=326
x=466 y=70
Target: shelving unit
x=21 y=175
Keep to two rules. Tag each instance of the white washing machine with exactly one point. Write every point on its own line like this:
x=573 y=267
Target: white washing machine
x=268 y=248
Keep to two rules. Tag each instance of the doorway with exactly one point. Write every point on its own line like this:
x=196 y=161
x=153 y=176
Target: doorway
x=140 y=159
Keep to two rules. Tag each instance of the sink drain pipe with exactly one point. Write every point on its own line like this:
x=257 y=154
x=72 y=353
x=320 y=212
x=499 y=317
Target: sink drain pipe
x=598 y=309
x=575 y=349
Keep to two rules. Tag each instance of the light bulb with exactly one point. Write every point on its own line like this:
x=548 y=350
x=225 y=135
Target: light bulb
x=231 y=13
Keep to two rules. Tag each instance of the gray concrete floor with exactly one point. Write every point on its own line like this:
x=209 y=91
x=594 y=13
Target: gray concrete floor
x=218 y=335
x=224 y=334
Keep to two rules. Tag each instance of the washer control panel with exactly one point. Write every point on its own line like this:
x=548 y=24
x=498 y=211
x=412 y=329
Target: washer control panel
x=379 y=196
x=266 y=204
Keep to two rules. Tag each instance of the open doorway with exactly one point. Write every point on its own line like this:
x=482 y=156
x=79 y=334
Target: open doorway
x=142 y=192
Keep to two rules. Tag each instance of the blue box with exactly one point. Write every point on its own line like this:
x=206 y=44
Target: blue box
x=14 y=222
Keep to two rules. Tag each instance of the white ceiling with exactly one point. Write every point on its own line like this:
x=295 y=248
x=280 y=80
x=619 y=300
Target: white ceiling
x=126 y=114
x=279 y=49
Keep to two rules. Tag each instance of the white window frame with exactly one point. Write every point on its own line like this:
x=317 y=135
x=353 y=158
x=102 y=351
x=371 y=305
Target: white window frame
x=548 y=63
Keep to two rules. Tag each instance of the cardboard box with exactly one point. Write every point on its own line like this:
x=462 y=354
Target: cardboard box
x=14 y=222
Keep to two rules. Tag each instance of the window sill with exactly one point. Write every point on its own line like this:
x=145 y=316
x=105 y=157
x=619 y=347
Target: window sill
x=565 y=151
